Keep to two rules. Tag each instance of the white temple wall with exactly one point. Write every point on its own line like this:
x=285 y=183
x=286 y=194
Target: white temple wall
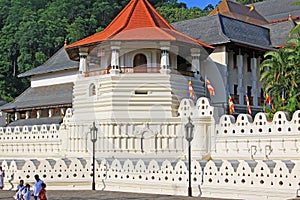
x=259 y=139
x=67 y=76
x=34 y=142
x=246 y=156
x=246 y=139
x=235 y=179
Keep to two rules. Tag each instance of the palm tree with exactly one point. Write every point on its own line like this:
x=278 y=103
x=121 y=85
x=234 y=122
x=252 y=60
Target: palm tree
x=293 y=50
x=280 y=73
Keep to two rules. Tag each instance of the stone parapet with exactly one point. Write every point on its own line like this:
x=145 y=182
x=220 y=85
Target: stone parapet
x=240 y=179
x=260 y=138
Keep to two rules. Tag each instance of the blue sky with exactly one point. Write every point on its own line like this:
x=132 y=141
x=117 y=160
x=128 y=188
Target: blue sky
x=199 y=3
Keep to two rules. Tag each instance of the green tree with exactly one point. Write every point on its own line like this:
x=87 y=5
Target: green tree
x=245 y=2
x=280 y=73
x=175 y=14
x=31 y=31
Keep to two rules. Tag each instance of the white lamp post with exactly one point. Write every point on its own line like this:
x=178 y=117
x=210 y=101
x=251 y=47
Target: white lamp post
x=93 y=131
x=189 y=135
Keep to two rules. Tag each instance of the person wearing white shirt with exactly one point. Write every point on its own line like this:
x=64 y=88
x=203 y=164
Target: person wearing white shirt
x=26 y=194
x=19 y=190
x=37 y=186
x=2 y=174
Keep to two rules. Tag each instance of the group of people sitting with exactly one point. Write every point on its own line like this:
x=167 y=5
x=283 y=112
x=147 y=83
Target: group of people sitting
x=39 y=190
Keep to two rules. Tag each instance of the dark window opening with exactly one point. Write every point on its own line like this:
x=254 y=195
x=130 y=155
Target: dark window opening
x=140 y=63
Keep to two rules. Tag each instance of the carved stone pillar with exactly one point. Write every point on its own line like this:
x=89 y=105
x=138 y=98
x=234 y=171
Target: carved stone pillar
x=165 y=58
x=115 y=58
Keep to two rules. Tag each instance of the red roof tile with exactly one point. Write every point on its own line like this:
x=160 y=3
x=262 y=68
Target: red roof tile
x=138 y=21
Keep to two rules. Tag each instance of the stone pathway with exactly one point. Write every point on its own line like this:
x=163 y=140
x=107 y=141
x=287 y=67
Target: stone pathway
x=96 y=195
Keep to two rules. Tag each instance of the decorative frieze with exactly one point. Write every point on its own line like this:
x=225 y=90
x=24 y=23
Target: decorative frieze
x=231 y=178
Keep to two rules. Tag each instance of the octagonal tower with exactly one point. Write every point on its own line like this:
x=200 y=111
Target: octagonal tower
x=137 y=69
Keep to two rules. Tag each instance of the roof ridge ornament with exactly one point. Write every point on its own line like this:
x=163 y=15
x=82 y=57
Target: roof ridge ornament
x=252 y=7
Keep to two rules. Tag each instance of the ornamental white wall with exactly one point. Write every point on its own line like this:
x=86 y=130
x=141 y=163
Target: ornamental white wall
x=34 y=141
x=258 y=139
x=246 y=179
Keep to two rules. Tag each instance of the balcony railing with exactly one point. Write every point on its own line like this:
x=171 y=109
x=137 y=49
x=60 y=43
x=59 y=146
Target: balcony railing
x=140 y=69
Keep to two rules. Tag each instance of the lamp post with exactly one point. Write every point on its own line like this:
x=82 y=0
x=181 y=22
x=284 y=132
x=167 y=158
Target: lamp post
x=189 y=135
x=93 y=131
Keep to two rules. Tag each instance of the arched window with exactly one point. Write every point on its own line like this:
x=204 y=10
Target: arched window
x=92 y=90
x=140 y=63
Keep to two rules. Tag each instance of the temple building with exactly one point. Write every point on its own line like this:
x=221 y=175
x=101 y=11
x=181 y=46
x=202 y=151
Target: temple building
x=130 y=106
x=49 y=95
x=241 y=36
x=235 y=36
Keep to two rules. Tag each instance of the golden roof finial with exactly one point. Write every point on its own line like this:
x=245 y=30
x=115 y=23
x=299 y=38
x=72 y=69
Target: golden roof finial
x=252 y=7
x=290 y=16
x=65 y=44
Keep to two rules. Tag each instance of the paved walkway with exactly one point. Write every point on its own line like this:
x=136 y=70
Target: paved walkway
x=95 y=195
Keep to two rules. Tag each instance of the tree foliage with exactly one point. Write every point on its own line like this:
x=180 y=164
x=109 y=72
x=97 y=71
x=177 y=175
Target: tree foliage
x=280 y=73
x=246 y=2
x=33 y=30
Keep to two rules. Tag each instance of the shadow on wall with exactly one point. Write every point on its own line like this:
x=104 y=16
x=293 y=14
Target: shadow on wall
x=215 y=73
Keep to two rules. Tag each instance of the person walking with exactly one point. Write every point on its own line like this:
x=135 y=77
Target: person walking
x=20 y=188
x=42 y=194
x=26 y=194
x=37 y=186
x=2 y=174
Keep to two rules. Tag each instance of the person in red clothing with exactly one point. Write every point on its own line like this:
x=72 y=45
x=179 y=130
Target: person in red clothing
x=42 y=194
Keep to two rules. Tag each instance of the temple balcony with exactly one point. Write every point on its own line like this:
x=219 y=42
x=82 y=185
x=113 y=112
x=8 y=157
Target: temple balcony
x=140 y=69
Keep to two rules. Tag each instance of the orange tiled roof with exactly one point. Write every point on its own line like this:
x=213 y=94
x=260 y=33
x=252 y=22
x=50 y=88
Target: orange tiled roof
x=239 y=12
x=138 y=21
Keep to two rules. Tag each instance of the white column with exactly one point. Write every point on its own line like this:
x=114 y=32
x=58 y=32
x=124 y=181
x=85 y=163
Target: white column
x=83 y=53
x=165 y=58
x=226 y=74
x=254 y=81
x=195 y=53
x=110 y=138
x=63 y=112
x=50 y=112
x=27 y=114
x=240 y=64
x=17 y=116
x=38 y=114
x=106 y=137
x=130 y=137
x=115 y=58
